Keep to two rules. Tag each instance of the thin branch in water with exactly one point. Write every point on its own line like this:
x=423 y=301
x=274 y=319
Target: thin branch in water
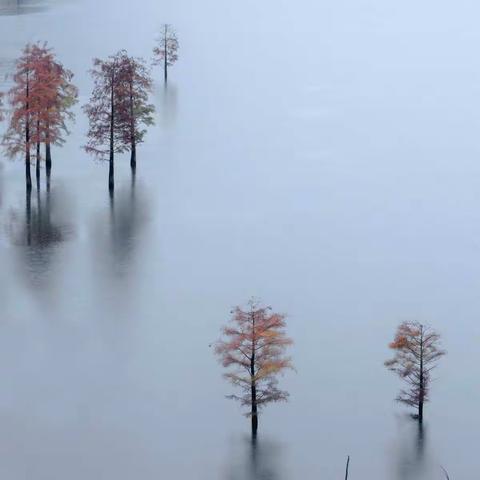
x=346 y=468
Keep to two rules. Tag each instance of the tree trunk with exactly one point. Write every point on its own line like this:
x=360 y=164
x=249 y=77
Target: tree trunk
x=37 y=164
x=48 y=153
x=28 y=216
x=133 y=157
x=28 y=176
x=165 y=53
x=133 y=143
x=254 y=411
x=421 y=382
x=112 y=123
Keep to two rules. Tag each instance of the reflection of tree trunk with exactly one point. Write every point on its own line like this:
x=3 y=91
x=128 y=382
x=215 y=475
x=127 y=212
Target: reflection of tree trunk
x=132 y=186
x=48 y=180
x=254 y=457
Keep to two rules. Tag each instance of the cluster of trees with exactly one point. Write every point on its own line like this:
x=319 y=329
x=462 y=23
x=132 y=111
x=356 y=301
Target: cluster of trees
x=253 y=349
x=118 y=110
x=42 y=98
x=41 y=101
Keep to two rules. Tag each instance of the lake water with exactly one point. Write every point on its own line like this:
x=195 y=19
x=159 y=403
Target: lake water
x=324 y=156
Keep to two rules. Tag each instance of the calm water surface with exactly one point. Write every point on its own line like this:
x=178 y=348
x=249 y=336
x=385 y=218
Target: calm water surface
x=324 y=156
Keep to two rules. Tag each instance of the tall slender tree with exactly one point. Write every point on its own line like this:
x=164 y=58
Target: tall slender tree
x=166 y=52
x=417 y=351
x=135 y=113
x=253 y=348
x=105 y=135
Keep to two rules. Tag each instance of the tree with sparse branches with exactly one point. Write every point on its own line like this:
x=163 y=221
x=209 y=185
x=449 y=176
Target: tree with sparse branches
x=166 y=52
x=253 y=349
x=417 y=352
x=118 y=108
x=135 y=113
x=105 y=135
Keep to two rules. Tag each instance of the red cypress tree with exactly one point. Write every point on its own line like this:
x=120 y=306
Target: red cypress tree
x=417 y=351
x=40 y=101
x=25 y=101
x=254 y=348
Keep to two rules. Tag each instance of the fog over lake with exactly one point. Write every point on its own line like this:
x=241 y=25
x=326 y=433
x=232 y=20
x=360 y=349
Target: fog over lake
x=321 y=155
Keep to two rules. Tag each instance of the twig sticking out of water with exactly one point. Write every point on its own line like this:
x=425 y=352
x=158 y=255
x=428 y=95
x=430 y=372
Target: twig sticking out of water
x=346 y=468
x=445 y=472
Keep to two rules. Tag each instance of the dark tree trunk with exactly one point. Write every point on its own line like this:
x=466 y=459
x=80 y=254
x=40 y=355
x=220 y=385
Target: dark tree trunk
x=111 y=183
x=133 y=143
x=133 y=157
x=48 y=173
x=421 y=398
x=165 y=53
x=48 y=153
x=254 y=412
x=37 y=163
x=28 y=176
x=28 y=216
x=112 y=123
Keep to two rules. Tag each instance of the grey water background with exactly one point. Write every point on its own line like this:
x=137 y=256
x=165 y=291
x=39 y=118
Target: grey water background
x=323 y=156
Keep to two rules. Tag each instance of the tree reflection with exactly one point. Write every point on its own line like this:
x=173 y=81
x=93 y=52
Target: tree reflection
x=22 y=7
x=256 y=459
x=39 y=230
x=414 y=462
x=126 y=218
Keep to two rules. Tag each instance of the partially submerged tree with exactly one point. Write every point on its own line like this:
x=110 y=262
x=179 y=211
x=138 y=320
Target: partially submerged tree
x=253 y=348
x=104 y=135
x=118 y=108
x=135 y=112
x=417 y=351
x=61 y=96
x=25 y=100
x=40 y=101
x=166 y=52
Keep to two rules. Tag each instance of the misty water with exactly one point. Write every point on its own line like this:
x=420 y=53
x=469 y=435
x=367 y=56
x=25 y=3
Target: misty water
x=323 y=156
